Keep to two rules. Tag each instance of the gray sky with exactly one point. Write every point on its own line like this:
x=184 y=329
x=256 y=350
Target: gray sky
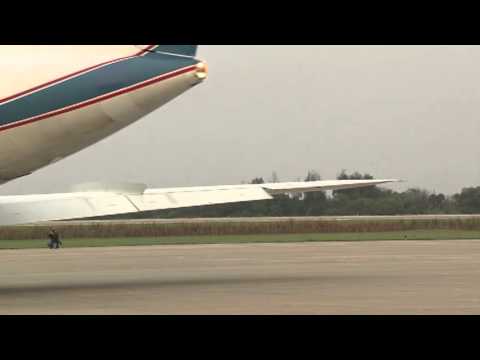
x=409 y=112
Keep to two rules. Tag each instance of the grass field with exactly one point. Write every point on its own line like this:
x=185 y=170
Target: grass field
x=232 y=239
x=246 y=228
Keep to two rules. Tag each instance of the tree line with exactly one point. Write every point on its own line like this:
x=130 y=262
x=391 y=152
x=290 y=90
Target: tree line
x=361 y=201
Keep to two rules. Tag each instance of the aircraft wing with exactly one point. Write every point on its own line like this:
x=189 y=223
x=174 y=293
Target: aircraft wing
x=93 y=200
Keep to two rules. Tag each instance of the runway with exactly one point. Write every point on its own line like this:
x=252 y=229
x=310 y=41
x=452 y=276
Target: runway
x=381 y=277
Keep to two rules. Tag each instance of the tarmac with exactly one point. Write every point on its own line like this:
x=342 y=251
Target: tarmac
x=378 y=277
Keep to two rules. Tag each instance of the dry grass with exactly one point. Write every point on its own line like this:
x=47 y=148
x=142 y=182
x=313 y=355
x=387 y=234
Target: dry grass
x=135 y=230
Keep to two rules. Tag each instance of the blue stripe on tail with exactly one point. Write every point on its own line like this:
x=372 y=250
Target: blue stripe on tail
x=95 y=83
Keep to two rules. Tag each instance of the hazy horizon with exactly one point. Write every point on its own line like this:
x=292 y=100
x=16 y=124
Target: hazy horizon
x=407 y=112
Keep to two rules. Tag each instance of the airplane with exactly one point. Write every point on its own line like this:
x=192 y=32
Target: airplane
x=57 y=100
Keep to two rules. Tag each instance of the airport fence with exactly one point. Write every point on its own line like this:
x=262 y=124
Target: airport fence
x=126 y=228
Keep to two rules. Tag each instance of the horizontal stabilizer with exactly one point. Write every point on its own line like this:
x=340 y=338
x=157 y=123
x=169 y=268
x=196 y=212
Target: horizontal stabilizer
x=94 y=200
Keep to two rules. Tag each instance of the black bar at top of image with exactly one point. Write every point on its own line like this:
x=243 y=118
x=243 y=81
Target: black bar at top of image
x=246 y=24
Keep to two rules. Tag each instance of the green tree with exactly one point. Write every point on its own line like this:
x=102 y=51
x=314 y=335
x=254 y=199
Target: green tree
x=368 y=192
x=468 y=201
x=258 y=180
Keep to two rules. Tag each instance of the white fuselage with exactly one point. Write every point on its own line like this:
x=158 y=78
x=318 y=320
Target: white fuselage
x=57 y=100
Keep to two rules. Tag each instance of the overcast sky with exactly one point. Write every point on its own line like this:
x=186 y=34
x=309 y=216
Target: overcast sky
x=409 y=112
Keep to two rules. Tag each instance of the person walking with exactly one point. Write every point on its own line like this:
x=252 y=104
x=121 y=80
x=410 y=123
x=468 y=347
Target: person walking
x=54 y=239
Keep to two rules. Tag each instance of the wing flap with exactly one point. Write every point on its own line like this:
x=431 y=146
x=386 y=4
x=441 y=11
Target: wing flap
x=178 y=199
x=27 y=209
x=34 y=208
